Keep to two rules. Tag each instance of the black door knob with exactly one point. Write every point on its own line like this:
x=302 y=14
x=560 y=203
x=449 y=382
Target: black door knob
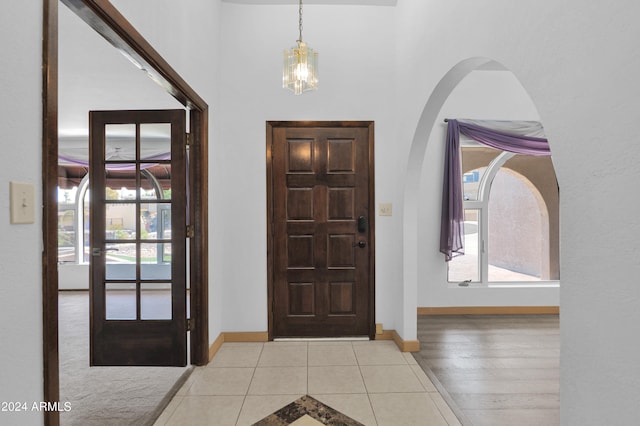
x=362 y=244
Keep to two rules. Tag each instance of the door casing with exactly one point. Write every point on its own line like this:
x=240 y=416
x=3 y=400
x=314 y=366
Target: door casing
x=270 y=125
x=106 y=20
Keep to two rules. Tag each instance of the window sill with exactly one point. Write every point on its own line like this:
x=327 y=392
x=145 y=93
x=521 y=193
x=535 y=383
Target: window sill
x=509 y=284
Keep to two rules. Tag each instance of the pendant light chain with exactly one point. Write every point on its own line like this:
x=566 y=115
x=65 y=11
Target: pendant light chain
x=300 y=20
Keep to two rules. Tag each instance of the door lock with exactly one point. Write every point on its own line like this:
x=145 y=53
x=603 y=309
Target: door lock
x=362 y=224
x=361 y=244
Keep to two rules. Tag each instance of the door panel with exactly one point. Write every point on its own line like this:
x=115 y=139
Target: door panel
x=138 y=238
x=321 y=259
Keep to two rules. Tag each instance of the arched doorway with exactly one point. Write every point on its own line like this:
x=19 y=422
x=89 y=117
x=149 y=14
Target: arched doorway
x=422 y=262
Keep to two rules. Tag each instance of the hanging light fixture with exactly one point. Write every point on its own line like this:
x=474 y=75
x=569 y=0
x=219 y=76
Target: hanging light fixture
x=300 y=71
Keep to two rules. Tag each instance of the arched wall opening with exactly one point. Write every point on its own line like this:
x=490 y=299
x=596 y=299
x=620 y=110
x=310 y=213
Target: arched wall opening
x=467 y=90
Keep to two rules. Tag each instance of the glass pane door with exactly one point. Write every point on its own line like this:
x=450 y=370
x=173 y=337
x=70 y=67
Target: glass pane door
x=138 y=238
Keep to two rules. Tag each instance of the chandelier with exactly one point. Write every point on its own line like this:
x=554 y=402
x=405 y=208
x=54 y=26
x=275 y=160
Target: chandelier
x=300 y=71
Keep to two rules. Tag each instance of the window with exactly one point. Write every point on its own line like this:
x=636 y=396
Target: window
x=73 y=219
x=73 y=213
x=467 y=267
x=510 y=220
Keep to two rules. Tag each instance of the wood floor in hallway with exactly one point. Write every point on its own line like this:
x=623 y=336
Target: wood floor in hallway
x=496 y=369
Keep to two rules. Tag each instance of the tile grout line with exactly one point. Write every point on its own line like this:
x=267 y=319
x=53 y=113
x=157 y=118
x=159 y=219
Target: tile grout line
x=307 y=366
x=244 y=399
x=364 y=383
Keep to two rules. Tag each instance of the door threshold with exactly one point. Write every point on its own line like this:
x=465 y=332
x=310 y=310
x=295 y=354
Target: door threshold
x=319 y=339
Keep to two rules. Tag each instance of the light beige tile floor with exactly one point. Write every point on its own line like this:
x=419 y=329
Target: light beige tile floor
x=372 y=382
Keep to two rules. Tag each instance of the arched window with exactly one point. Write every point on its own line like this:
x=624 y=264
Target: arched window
x=510 y=218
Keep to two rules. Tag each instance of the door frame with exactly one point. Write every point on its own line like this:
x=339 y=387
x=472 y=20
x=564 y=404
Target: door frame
x=105 y=19
x=271 y=125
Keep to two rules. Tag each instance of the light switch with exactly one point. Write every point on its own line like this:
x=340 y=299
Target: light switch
x=22 y=196
x=384 y=209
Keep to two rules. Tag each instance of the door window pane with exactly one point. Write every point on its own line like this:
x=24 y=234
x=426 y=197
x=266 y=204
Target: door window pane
x=156 y=181
x=155 y=141
x=120 y=301
x=155 y=221
x=120 y=142
x=155 y=301
x=149 y=221
x=120 y=261
x=120 y=221
x=120 y=182
x=467 y=267
x=152 y=264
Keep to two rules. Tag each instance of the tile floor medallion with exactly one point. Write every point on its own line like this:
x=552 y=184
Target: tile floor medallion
x=307 y=411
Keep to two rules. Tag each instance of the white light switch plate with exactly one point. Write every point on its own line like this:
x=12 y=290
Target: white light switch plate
x=385 y=209
x=22 y=196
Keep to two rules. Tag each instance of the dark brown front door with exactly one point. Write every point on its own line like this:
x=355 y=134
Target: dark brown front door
x=138 y=238
x=320 y=204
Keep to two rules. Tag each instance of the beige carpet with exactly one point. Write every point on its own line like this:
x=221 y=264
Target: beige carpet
x=105 y=396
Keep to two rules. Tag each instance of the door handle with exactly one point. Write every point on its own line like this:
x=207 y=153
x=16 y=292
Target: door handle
x=362 y=224
x=362 y=243
x=100 y=252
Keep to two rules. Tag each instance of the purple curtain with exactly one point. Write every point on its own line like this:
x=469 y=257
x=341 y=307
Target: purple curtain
x=452 y=220
x=451 y=226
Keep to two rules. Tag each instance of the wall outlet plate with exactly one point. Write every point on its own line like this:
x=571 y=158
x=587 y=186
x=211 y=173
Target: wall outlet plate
x=385 y=209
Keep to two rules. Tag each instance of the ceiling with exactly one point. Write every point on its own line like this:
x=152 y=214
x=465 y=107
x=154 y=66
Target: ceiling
x=93 y=75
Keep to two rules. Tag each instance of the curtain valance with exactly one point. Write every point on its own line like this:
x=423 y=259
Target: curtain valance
x=520 y=137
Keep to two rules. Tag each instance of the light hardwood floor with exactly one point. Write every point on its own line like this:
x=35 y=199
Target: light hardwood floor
x=496 y=369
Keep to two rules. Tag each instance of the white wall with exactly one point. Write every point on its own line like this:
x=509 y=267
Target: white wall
x=187 y=33
x=21 y=245
x=579 y=62
x=72 y=276
x=482 y=94
x=355 y=46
